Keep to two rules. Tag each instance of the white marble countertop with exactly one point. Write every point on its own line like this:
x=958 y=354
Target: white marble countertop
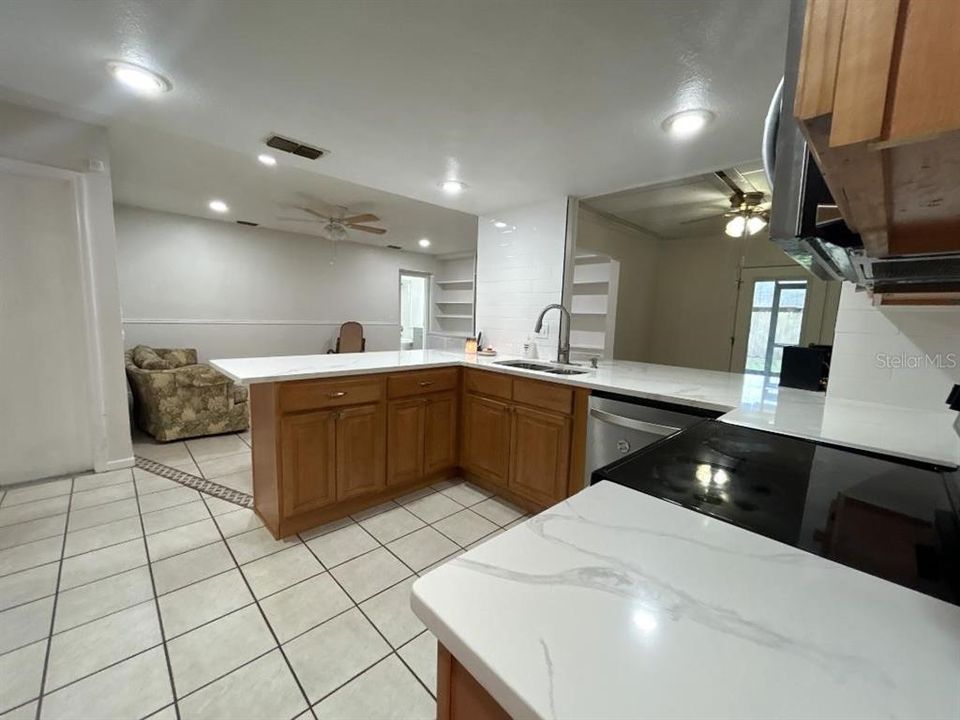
x=746 y=400
x=615 y=604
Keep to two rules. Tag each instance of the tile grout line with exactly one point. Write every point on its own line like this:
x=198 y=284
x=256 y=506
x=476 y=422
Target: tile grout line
x=263 y=614
x=53 y=612
x=156 y=602
x=356 y=605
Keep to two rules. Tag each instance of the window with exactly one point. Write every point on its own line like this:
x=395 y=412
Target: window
x=776 y=320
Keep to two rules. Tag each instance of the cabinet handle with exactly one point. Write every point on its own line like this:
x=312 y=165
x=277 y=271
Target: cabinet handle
x=426 y=383
x=337 y=394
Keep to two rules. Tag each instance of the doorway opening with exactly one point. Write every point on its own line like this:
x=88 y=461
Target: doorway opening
x=414 y=301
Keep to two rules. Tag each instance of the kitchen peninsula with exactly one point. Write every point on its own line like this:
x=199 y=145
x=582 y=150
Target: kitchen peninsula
x=334 y=434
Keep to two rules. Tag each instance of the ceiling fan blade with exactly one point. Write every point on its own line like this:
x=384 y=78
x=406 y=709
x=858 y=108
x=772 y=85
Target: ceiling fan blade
x=366 y=229
x=315 y=213
x=365 y=217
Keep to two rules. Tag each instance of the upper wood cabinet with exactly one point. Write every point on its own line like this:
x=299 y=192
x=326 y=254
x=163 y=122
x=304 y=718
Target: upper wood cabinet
x=360 y=450
x=308 y=458
x=485 y=445
x=878 y=97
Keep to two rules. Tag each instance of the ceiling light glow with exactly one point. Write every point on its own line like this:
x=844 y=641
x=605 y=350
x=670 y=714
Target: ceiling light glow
x=688 y=123
x=755 y=224
x=736 y=226
x=423 y=242
x=453 y=187
x=267 y=159
x=499 y=224
x=138 y=79
x=218 y=206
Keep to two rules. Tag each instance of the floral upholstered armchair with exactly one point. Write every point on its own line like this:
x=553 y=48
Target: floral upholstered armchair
x=177 y=398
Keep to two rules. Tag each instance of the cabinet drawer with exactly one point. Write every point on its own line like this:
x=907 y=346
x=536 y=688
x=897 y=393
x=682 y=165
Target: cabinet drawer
x=329 y=393
x=421 y=381
x=546 y=396
x=488 y=383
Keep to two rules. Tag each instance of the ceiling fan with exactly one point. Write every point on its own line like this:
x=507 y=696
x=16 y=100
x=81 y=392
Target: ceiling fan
x=336 y=222
x=749 y=211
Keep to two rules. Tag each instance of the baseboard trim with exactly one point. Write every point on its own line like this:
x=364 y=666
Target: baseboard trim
x=118 y=464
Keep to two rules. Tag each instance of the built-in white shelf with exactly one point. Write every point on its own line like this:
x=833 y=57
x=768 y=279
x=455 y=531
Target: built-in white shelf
x=593 y=305
x=453 y=297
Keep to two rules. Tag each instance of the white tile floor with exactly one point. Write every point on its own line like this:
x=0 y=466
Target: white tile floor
x=127 y=595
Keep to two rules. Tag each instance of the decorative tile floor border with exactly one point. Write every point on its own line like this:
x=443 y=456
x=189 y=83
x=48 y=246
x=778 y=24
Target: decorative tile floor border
x=197 y=483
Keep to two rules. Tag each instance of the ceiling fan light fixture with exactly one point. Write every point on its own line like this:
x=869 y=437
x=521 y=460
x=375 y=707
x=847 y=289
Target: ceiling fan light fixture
x=736 y=226
x=335 y=232
x=755 y=224
x=686 y=124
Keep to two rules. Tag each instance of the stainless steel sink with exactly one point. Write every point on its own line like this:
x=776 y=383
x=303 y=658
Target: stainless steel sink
x=540 y=367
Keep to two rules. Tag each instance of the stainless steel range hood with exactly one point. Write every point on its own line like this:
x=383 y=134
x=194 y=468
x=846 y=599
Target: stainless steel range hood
x=798 y=186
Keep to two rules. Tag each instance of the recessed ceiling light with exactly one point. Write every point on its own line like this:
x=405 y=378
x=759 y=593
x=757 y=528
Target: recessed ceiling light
x=218 y=206
x=267 y=159
x=687 y=123
x=423 y=242
x=138 y=79
x=499 y=224
x=453 y=187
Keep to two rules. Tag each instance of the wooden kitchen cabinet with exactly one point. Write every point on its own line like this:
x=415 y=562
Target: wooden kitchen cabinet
x=485 y=446
x=878 y=98
x=530 y=447
x=309 y=460
x=421 y=437
x=360 y=450
x=539 y=455
x=440 y=433
x=405 y=433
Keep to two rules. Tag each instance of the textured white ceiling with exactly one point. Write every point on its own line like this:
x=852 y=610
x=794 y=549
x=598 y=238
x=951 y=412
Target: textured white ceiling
x=689 y=207
x=521 y=100
x=155 y=170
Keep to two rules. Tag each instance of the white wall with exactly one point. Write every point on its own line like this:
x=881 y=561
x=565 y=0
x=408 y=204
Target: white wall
x=34 y=136
x=235 y=291
x=891 y=354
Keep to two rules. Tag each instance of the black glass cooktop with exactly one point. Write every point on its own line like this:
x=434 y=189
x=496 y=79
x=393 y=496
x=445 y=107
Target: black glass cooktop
x=897 y=520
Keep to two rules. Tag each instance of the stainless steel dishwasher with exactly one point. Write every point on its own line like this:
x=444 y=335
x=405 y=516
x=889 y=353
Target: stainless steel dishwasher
x=619 y=425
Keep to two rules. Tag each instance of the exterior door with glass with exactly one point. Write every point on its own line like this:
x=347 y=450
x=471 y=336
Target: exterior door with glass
x=778 y=307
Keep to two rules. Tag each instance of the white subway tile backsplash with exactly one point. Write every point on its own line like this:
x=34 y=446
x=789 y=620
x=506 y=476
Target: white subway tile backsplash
x=908 y=356
x=520 y=272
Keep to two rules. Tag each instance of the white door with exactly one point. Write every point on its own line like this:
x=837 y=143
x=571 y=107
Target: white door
x=414 y=292
x=45 y=398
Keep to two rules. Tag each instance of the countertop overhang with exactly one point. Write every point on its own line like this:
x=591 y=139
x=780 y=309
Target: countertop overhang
x=744 y=399
x=616 y=604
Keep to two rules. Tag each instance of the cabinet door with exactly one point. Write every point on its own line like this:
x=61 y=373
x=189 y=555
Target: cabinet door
x=540 y=452
x=308 y=461
x=485 y=448
x=361 y=461
x=405 y=425
x=440 y=433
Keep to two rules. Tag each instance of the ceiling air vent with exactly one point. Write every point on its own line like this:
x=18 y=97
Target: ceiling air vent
x=395 y=247
x=295 y=147
x=248 y=223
